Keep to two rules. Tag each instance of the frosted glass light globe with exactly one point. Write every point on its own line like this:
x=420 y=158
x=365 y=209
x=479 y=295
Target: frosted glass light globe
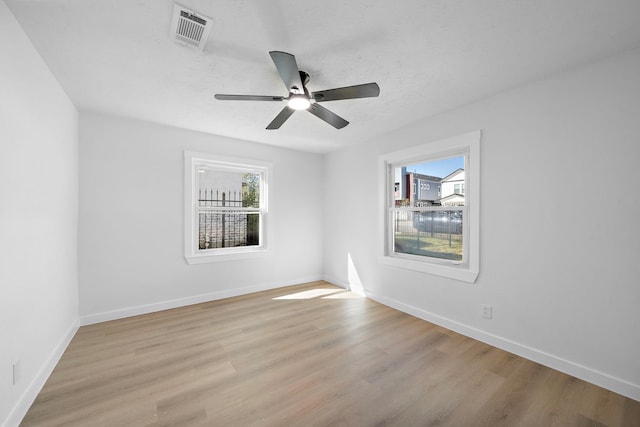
x=298 y=102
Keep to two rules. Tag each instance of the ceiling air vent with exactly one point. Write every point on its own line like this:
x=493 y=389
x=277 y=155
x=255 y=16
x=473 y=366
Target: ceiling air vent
x=190 y=27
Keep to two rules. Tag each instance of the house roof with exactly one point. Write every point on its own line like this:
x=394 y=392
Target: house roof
x=426 y=177
x=446 y=178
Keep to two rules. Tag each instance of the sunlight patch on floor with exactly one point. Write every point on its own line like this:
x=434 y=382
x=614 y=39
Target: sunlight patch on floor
x=344 y=295
x=311 y=293
x=323 y=293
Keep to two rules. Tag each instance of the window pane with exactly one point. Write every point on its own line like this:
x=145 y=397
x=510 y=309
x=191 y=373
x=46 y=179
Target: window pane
x=223 y=188
x=228 y=188
x=435 y=234
x=228 y=229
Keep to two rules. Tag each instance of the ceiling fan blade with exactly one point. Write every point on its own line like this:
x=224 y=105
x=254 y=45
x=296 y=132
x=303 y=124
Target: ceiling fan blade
x=367 y=90
x=332 y=118
x=288 y=69
x=281 y=118
x=223 y=97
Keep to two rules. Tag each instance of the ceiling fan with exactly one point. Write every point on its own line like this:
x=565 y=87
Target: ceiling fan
x=299 y=97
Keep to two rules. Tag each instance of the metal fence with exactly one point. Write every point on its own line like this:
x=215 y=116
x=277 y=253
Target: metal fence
x=435 y=234
x=220 y=226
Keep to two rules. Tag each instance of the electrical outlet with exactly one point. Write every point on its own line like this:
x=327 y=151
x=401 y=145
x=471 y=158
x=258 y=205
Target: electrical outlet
x=16 y=372
x=487 y=311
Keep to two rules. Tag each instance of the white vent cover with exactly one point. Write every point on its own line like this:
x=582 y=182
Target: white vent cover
x=190 y=27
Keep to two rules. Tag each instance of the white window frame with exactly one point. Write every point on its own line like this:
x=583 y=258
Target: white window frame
x=192 y=253
x=468 y=145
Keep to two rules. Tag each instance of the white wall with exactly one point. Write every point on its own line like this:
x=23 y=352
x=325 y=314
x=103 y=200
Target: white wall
x=38 y=219
x=131 y=253
x=560 y=240
x=572 y=303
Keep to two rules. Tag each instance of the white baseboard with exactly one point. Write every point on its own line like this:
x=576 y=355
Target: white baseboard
x=601 y=379
x=26 y=400
x=90 y=319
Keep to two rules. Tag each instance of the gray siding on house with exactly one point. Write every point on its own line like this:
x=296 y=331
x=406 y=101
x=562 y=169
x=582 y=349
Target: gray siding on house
x=426 y=189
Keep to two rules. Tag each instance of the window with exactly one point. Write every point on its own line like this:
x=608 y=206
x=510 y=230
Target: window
x=226 y=211
x=433 y=232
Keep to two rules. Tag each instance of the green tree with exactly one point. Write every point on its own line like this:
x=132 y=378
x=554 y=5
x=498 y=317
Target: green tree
x=251 y=190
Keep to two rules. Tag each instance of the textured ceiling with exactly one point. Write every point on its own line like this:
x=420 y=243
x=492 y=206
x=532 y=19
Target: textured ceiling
x=428 y=56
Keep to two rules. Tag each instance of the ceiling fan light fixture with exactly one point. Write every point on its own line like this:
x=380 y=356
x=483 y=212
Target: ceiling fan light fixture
x=299 y=102
x=299 y=97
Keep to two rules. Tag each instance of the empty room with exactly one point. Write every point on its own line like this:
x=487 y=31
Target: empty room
x=363 y=213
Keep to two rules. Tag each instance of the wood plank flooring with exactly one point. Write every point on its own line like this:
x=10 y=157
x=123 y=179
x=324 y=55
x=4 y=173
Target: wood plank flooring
x=309 y=355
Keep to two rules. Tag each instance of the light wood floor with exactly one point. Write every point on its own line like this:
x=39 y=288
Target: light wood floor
x=310 y=355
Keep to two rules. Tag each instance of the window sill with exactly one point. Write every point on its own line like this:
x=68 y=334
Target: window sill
x=224 y=256
x=449 y=270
